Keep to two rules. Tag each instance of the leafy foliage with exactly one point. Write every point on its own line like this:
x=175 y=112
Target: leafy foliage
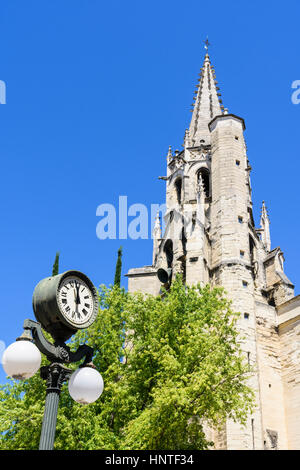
x=169 y=364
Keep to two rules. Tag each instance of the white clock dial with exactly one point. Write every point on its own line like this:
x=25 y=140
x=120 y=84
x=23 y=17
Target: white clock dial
x=75 y=300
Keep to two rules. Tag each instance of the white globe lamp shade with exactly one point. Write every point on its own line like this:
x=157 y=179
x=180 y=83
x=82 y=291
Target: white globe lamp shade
x=85 y=385
x=21 y=360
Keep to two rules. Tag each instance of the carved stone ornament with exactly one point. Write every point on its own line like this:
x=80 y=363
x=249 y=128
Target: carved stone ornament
x=271 y=442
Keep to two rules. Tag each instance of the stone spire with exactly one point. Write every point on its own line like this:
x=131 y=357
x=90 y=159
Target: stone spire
x=156 y=238
x=169 y=154
x=265 y=226
x=207 y=104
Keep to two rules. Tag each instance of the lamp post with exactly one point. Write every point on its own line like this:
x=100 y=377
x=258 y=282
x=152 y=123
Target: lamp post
x=22 y=359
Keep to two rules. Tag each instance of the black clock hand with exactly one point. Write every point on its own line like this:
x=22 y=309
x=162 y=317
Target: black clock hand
x=77 y=296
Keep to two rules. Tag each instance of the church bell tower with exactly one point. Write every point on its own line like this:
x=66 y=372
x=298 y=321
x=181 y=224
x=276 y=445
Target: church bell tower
x=210 y=238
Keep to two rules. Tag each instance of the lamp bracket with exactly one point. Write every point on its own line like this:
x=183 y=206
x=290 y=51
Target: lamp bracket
x=58 y=352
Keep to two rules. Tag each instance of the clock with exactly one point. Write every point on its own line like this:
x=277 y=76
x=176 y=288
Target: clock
x=65 y=303
x=75 y=300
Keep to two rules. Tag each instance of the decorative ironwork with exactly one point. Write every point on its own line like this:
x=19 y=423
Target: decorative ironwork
x=55 y=374
x=58 y=352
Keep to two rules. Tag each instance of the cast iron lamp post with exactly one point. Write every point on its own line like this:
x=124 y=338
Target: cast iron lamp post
x=63 y=304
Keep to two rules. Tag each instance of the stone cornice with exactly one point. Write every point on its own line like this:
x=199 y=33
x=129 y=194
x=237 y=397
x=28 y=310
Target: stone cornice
x=226 y=116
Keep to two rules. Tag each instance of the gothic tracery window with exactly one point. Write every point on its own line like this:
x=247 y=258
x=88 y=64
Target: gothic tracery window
x=205 y=179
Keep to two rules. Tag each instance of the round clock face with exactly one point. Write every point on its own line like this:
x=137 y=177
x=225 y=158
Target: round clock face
x=75 y=300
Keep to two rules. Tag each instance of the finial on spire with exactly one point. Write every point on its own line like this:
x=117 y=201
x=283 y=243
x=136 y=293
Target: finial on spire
x=265 y=227
x=169 y=154
x=264 y=212
x=206 y=44
x=186 y=138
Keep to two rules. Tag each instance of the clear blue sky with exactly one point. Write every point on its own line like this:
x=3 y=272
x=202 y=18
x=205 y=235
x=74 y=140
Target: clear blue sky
x=97 y=91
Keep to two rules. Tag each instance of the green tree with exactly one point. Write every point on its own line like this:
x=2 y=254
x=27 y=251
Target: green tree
x=117 y=280
x=55 y=269
x=178 y=366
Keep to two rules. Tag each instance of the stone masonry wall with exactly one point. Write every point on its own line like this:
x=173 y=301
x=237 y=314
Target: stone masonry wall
x=270 y=378
x=289 y=333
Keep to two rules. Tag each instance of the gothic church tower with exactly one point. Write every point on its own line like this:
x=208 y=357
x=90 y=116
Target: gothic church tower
x=210 y=237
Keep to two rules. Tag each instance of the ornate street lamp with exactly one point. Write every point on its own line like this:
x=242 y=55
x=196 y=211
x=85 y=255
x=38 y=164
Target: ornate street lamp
x=62 y=305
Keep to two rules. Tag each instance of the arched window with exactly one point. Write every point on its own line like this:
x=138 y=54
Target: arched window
x=253 y=260
x=183 y=241
x=252 y=249
x=178 y=186
x=250 y=214
x=168 y=249
x=205 y=178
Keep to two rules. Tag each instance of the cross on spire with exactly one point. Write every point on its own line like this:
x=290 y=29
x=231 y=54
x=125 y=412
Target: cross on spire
x=207 y=44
